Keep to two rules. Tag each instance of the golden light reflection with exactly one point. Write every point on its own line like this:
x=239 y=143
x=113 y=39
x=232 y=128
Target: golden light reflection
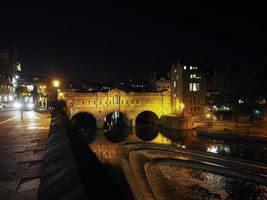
x=160 y=139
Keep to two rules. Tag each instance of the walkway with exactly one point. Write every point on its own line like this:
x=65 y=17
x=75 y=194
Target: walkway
x=22 y=147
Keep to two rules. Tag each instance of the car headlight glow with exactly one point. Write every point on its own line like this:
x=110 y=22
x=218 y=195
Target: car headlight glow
x=30 y=105
x=17 y=105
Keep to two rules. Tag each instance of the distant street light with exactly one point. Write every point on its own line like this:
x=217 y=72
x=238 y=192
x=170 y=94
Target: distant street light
x=56 y=83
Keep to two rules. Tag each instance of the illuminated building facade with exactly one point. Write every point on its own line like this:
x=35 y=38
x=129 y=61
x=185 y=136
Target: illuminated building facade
x=160 y=82
x=187 y=86
x=9 y=75
x=40 y=89
x=5 y=88
x=188 y=91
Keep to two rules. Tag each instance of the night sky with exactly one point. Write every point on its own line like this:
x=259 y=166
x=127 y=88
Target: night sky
x=102 y=42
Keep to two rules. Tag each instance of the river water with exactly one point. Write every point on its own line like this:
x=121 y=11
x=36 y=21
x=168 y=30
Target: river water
x=104 y=144
x=251 y=151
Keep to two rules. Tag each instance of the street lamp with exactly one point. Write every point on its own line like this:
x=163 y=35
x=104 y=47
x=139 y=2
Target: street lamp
x=56 y=84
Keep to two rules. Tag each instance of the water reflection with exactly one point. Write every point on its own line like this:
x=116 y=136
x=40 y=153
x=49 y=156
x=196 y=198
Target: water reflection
x=146 y=132
x=160 y=139
x=117 y=134
x=105 y=145
x=220 y=148
x=183 y=139
x=189 y=183
x=87 y=134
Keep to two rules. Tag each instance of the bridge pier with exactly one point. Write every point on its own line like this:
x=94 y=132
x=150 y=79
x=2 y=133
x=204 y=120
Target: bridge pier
x=100 y=123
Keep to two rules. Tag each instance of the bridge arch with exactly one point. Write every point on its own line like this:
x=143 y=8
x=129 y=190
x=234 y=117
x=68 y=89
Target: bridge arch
x=115 y=119
x=84 y=122
x=147 y=117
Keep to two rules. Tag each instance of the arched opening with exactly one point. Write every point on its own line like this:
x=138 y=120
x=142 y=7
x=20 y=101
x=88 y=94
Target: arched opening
x=85 y=124
x=116 y=127
x=115 y=120
x=147 y=117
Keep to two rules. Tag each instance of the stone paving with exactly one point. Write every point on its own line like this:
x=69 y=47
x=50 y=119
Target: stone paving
x=22 y=148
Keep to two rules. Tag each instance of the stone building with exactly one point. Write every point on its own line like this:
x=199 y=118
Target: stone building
x=9 y=75
x=160 y=82
x=187 y=86
x=188 y=90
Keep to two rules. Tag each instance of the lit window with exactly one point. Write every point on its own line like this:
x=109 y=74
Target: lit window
x=240 y=101
x=116 y=99
x=191 y=67
x=177 y=77
x=194 y=87
x=184 y=67
x=174 y=95
x=175 y=70
x=174 y=84
x=193 y=76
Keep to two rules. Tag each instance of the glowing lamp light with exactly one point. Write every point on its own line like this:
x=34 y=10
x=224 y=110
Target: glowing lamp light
x=208 y=115
x=17 y=105
x=30 y=105
x=56 y=83
x=257 y=112
x=212 y=149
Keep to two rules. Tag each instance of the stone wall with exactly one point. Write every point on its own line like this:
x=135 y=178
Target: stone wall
x=71 y=170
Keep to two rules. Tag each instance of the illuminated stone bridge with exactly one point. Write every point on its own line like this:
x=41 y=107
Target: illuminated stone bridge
x=132 y=106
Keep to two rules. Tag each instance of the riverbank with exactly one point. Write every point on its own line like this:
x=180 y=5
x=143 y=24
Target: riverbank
x=248 y=133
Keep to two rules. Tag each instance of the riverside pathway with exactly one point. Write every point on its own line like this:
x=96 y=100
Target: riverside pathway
x=22 y=148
